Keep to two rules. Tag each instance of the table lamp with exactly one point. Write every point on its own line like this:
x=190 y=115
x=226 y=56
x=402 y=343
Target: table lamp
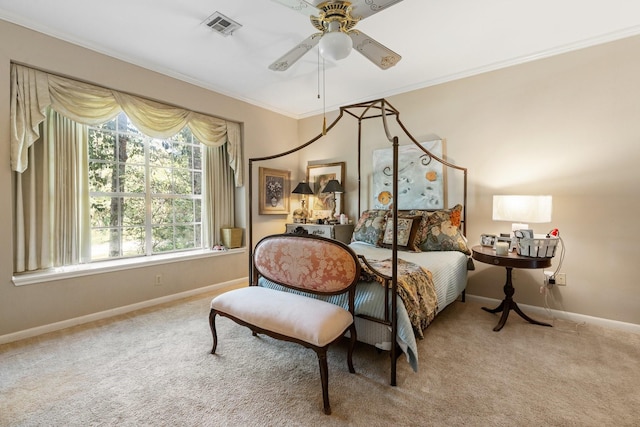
x=333 y=186
x=521 y=210
x=302 y=214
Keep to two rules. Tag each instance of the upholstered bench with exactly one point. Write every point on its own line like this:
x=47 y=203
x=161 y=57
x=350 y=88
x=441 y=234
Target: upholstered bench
x=307 y=263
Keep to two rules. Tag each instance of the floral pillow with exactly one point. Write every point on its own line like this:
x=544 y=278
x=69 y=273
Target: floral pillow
x=370 y=227
x=407 y=229
x=440 y=231
x=423 y=228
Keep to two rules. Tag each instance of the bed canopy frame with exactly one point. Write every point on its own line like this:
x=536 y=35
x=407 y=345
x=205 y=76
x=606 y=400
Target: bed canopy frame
x=377 y=109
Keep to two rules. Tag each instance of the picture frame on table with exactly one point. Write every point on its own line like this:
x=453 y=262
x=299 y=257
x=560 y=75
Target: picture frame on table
x=274 y=191
x=318 y=175
x=488 y=240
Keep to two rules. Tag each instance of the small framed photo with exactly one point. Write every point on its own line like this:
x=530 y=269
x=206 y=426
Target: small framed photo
x=503 y=239
x=524 y=233
x=488 y=240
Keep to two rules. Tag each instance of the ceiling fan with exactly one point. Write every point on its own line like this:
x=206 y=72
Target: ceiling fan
x=336 y=19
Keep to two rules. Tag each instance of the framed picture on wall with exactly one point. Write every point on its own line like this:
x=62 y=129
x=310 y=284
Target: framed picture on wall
x=421 y=180
x=274 y=191
x=321 y=203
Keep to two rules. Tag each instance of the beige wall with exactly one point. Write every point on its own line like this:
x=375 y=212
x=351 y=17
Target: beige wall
x=29 y=306
x=568 y=126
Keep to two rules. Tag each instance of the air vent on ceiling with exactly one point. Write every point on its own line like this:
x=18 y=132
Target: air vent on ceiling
x=222 y=24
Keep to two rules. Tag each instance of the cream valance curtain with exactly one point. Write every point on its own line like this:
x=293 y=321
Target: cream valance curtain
x=33 y=90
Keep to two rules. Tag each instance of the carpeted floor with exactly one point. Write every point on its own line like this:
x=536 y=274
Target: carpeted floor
x=153 y=368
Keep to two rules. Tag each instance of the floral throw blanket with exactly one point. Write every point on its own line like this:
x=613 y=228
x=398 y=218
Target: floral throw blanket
x=415 y=288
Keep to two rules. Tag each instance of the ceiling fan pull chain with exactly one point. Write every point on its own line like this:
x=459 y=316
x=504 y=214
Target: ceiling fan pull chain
x=324 y=100
x=318 y=74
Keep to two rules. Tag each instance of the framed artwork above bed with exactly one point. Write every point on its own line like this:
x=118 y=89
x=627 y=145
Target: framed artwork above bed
x=421 y=179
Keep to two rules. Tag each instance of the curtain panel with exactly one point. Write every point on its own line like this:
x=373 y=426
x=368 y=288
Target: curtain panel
x=52 y=198
x=33 y=90
x=218 y=195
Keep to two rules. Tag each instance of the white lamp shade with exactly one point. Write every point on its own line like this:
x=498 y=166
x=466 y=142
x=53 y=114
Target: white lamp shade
x=335 y=45
x=534 y=209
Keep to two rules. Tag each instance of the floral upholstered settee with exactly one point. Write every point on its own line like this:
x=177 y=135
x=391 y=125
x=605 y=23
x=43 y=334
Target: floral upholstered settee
x=307 y=263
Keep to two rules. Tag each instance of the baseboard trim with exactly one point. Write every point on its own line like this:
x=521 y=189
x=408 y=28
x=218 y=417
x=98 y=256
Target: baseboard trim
x=52 y=327
x=29 y=333
x=564 y=315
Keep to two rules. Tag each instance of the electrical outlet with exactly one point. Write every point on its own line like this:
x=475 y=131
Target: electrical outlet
x=158 y=279
x=561 y=279
x=548 y=282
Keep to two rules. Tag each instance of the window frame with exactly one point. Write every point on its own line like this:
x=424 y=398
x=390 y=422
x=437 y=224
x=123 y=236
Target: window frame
x=118 y=131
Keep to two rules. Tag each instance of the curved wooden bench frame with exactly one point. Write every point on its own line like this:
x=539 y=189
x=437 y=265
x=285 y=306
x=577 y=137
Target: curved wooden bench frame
x=307 y=263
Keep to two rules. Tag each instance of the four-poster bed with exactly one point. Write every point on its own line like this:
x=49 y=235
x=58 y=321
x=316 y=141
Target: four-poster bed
x=448 y=268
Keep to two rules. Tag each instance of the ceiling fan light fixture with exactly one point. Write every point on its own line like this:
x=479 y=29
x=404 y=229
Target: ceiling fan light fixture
x=335 y=45
x=335 y=21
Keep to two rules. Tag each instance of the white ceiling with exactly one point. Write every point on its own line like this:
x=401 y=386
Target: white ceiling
x=439 y=40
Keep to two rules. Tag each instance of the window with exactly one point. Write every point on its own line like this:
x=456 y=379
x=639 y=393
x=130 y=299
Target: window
x=145 y=193
x=154 y=179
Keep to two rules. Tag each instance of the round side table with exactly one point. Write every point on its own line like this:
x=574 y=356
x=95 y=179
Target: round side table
x=509 y=261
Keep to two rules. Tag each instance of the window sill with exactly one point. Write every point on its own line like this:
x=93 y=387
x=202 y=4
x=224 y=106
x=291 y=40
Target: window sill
x=30 y=278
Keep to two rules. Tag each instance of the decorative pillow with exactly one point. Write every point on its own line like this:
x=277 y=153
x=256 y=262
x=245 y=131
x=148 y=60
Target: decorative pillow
x=423 y=227
x=370 y=227
x=442 y=231
x=407 y=229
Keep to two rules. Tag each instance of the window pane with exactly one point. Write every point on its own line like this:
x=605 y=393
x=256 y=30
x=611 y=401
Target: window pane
x=161 y=211
x=132 y=181
x=183 y=211
x=197 y=183
x=135 y=150
x=198 y=210
x=161 y=181
x=182 y=181
x=197 y=157
x=184 y=237
x=184 y=157
x=162 y=238
x=101 y=145
x=197 y=233
x=159 y=153
x=115 y=211
x=100 y=211
x=133 y=211
x=99 y=244
x=100 y=175
x=133 y=241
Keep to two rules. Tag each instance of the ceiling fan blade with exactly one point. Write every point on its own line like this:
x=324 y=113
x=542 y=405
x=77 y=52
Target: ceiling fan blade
x=288 y=59
x=361 y=9
x=380 y=55
x=299 y=6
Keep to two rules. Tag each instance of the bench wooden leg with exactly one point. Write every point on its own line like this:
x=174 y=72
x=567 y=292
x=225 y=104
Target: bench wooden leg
x=212 y=325
x=324 y=378
x=352 y=344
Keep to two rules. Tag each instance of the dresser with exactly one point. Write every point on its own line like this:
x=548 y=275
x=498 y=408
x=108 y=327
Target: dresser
x=340 y=232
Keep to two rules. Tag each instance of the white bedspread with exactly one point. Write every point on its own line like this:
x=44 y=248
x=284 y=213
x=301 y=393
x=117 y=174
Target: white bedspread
x=449 y=269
